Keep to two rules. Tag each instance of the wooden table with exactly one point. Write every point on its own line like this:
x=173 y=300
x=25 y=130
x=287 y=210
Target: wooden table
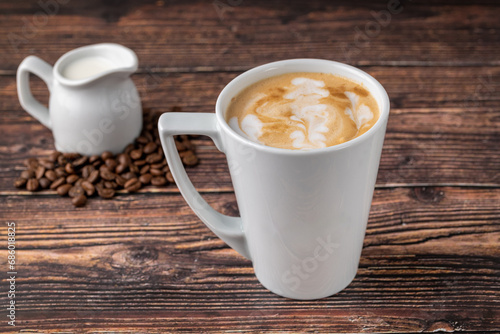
x=145 y=263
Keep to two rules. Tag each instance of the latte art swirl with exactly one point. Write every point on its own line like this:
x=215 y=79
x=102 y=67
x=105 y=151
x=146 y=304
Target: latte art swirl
x=302 y=111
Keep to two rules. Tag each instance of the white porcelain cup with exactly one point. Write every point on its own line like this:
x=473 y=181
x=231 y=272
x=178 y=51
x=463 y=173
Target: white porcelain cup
x=303 y=213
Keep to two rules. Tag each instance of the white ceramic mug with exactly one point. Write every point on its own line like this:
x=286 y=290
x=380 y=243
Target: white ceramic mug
x=303 y=213
x=97 y=113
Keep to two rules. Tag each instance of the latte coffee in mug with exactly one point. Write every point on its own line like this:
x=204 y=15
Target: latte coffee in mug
x=303 y=210
x=302 y=111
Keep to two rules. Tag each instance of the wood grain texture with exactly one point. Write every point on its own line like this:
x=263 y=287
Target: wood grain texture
x=178 y=35
x=130 y=269
x=443 y=128
x=144 y=263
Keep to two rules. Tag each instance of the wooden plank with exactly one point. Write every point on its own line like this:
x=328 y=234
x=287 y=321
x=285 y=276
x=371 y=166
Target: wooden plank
x=237 y=37
x=465 y=88
x=148 y=262
x=144 y=263
x=444 y=127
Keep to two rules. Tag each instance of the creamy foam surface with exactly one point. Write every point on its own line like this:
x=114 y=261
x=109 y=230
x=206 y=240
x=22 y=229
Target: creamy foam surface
x=302 y=111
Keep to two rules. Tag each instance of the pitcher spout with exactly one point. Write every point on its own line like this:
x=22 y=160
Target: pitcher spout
x=93 y=62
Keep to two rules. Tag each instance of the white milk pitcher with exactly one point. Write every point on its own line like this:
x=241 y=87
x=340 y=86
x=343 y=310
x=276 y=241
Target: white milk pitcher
x=94 y=106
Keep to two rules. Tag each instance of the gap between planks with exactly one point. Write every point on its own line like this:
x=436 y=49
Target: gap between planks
x=238 y=69
x=230 y=190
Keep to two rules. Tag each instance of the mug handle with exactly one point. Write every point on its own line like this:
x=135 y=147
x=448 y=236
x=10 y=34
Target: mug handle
x=229 y=229
x=40 y=68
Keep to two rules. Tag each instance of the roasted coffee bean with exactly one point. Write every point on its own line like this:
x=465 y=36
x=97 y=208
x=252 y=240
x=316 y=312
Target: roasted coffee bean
x=39 y=172
x=190 y=159
x=60 y=181
x=120 y=180
x=106 y=174
x=106 y=192
x=153 y=158
x=83 y=176
x=44 y=183
x=78 y=182
x=27 y=174
x=60 y=172
x=111 y=163
x=133 y=168
x=86 y=171
x=94 y=158
x=158 y=181
x=61 y=160
x=106 y=155
x=20 y=182
x=80 y=161
x=156 y=172
x=104 y=168
x=139 y=163
x=63 y=190
x=121 y=168
x=142 y=140
x=170 y=177
x=31 y=163
x=148 y=136
x=69 y=168
x=144 y=169
x=46 y=163
x=54 y=155
x=132 y=185
x=180 y=146
x=110 y=184
x=32 y=185
x=123 y=159
x=136 y=154
x=72 y=178
x=129 y=175
x=75 y=191
x=145 y=178
x=129 y=148
x=88 y=187
x=150 y=148
x=51 y=175
x=94 y=176
x=158 y=165
x=71 y=156
x=188 y=144
x=79 y=201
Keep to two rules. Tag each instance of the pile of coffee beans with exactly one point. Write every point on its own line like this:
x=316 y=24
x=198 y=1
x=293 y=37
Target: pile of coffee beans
x=142 y=163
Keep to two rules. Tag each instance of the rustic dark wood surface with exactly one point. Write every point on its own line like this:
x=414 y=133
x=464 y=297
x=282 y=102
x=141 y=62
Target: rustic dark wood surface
x=145 y=263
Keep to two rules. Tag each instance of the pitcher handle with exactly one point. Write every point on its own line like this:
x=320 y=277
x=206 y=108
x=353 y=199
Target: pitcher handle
x=40 y=68
x=229 y=229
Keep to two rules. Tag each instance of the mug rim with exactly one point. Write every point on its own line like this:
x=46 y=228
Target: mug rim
x=384 y=107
